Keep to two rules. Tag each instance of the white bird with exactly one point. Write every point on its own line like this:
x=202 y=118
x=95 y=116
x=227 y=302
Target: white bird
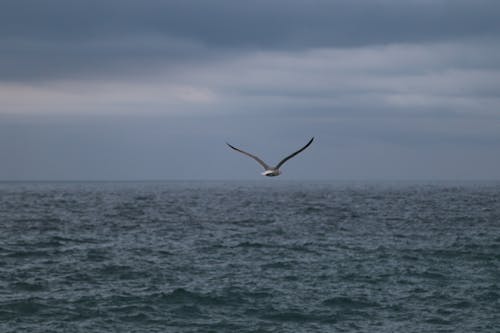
x=269 y=170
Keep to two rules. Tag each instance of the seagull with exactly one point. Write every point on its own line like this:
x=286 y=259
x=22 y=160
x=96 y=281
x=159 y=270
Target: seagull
x=270 y=171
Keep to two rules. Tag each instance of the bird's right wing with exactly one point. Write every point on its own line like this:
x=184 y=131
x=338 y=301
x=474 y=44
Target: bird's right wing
x=261 y=162
x=292 y=155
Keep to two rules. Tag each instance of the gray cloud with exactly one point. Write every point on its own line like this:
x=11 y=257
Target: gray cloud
x=59 y=38
x=25 y=60
x=137 y=147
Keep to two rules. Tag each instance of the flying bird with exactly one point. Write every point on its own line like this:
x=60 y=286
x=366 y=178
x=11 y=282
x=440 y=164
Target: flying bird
x=269 y=170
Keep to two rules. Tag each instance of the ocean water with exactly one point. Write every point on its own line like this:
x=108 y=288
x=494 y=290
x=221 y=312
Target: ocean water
x=264 y=256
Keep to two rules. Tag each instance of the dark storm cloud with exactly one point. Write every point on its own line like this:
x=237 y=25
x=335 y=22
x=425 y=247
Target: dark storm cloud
x=41 y=39
x=255 y=23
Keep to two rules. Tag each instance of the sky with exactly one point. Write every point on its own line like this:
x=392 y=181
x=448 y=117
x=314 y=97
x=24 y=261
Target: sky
x=152 y=90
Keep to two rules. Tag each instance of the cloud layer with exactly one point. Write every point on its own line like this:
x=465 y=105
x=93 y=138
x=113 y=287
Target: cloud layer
x=408 y=87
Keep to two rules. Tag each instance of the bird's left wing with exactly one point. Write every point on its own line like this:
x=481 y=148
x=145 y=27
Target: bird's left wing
x=261 y=162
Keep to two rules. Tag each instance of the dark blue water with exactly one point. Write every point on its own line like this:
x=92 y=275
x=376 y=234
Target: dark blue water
x=267 y=256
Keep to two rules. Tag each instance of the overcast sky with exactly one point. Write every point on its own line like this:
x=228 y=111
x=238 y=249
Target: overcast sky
x=149 y=89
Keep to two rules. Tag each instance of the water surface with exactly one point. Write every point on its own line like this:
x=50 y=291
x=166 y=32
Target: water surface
x=249 y=257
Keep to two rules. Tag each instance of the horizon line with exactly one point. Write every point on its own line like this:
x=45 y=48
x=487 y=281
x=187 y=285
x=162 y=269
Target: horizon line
x=247 y=179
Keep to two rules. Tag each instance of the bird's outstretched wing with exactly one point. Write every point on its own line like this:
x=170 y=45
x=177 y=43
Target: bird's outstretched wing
x=261 y=162
x=292 y=155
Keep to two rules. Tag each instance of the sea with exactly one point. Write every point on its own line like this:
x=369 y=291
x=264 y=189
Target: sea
x=253 y=256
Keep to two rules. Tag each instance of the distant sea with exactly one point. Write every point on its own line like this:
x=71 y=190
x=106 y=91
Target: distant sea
x=263 y=256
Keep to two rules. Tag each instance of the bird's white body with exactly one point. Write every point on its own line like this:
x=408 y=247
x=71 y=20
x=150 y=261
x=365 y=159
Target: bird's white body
x=271 y=173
